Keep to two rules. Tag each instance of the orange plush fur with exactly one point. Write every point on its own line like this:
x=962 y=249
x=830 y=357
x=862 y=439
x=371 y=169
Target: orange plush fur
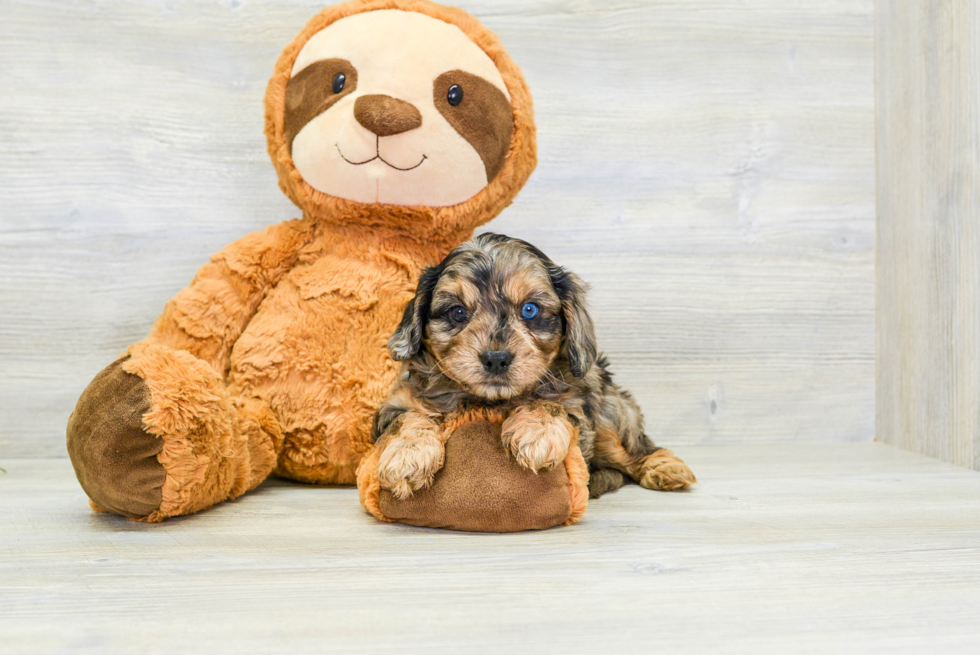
x=273 y=359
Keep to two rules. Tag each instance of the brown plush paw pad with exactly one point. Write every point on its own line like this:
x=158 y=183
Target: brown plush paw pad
x=482 y=489
x=115 y=460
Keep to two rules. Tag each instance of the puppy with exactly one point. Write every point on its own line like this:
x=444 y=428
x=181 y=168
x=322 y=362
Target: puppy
x=498 y=327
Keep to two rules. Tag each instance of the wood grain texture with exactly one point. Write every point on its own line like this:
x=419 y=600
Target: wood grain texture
x=832 y=548
x=707 y=165
x=928 y=145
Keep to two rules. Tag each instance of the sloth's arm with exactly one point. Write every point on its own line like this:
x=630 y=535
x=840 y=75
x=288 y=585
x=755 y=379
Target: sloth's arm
x=207 y=317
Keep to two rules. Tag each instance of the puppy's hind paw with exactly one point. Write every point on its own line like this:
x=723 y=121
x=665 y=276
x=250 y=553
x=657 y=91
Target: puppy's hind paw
x=664 y=471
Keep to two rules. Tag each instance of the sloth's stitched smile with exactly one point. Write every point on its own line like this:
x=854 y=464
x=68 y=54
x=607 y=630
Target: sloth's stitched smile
x=377 y=155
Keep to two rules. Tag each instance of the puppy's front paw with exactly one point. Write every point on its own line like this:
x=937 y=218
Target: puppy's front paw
x=407 y=465
x=665 y=471
x=537 y=438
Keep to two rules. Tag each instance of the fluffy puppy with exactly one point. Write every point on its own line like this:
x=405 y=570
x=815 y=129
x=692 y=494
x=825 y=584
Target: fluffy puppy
x=498 y=328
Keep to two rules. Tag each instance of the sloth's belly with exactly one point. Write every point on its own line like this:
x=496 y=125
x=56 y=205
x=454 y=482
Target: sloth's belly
x=316 y=353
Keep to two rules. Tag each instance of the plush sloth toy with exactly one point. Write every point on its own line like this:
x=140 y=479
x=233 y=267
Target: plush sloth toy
x=397 y=126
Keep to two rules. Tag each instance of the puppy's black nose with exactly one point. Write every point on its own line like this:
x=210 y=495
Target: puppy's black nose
x=496 y=361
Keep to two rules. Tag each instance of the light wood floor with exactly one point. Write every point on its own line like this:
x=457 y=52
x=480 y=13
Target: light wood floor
x=785 y=549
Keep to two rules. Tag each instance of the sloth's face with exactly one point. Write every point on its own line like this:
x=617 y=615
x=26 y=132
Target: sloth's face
x=397 y=107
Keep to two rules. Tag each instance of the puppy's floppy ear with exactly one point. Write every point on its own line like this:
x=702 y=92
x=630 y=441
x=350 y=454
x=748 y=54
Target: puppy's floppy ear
x=406 y=342
x=579 y=344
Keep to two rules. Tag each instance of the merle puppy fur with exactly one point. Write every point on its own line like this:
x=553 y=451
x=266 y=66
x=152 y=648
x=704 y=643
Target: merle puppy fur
x=499 y=328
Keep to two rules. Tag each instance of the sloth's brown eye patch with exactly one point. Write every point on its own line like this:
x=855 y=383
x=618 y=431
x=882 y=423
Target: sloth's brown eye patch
x=482 y=115
x=314 y=90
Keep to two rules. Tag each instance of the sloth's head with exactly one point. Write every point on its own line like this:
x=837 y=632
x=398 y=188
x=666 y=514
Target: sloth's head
x=403 y=104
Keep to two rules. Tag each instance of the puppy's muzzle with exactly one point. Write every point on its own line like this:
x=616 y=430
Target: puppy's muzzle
x=496 y=362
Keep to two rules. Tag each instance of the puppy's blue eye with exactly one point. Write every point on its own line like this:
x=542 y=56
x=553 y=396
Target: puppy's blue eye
x=457 y=314
x=339 y=82
x=529 y=310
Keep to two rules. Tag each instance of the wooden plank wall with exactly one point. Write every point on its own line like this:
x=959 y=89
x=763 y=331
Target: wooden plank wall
x=707 y=165
x=928 y=145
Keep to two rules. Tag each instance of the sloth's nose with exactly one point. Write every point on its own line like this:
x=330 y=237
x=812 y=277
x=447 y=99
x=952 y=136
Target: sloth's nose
x=386 y=116
x=496 y=361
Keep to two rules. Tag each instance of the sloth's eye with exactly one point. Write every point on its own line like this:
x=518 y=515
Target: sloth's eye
x=457 y=314
x=455 y=95
x=339 y=81
x=529 y=310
